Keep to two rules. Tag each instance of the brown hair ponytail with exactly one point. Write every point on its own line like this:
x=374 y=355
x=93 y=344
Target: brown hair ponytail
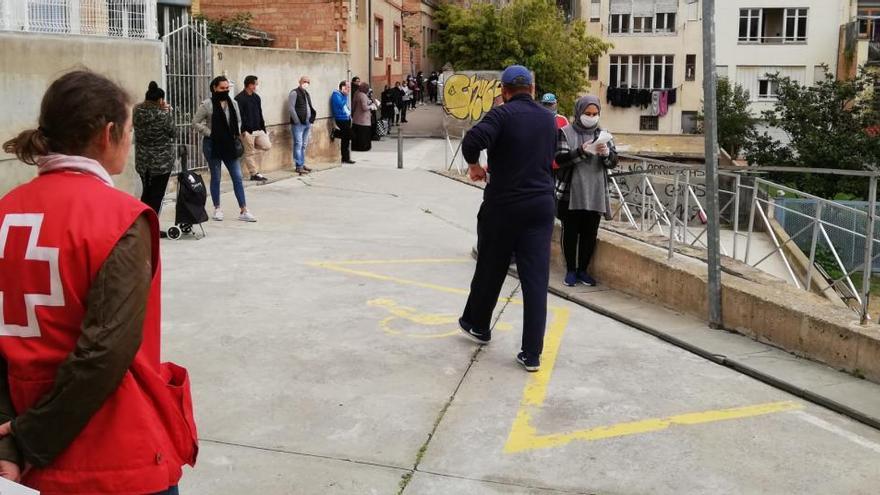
x=74 y=109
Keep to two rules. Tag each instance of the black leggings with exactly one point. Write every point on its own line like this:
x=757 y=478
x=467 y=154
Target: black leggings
x=154 y=190
x=580 y=228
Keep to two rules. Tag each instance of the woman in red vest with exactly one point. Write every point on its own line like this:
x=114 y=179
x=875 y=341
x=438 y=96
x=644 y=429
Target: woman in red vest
x=85 y=405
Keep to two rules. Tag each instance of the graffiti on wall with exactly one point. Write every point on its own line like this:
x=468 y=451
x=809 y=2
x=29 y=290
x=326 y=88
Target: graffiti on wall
x=469 y=97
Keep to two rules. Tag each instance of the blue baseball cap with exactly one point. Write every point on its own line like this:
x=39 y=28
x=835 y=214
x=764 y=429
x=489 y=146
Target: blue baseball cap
x=516 y=75
x=548 y=99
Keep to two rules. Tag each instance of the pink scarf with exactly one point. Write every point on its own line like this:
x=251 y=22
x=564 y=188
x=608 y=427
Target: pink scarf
x=80 y=164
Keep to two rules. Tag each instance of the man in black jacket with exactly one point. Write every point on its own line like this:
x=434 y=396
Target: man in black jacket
x=253 y=128
x=302 y=116
x=516 y=216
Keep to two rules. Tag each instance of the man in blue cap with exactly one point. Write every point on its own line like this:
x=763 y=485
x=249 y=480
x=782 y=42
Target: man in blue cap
x=517 y=211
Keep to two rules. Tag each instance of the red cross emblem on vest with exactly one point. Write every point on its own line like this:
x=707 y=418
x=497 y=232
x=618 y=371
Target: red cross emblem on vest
x=29 y=275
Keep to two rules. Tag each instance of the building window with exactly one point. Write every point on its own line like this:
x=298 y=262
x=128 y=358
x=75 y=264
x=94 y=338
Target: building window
x=643 y=25
x=690 y=68
x=594 y=69
x=773 y=26
x=693 y=10
x=649 y=123
x=378 y=38
x=596 y=10
x=767 y=89
x=749 y=25
x=665 y=23
x=689 y=123
x=396 y=42
x=795 y=25
x=620 y=23
x=642 y=71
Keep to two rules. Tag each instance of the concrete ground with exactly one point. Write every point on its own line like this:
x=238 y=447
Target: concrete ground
x=325 y=359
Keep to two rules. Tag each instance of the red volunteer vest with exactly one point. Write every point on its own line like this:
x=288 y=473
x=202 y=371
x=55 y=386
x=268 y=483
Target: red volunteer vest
x=55 y=234
x=561 y=121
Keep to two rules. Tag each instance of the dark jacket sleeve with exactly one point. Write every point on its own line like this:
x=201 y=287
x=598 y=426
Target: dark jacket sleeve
x=112 y=331
x=481 y=136
x=8 y=449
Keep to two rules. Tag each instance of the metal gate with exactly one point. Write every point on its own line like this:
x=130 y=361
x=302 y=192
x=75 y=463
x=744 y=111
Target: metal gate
x=188 y=74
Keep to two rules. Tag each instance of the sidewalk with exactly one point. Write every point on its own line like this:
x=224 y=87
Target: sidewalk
x=815 y=382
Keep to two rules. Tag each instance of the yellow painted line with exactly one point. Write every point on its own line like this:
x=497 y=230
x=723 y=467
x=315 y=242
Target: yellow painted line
x=523 y=436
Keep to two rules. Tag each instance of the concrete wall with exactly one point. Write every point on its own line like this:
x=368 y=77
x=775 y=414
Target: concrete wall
x=279 y=71
x=29 y=63
x=753 y=303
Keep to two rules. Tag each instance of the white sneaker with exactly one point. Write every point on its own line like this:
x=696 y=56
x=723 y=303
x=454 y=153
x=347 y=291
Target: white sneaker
x=218 y=214
x=247 y=217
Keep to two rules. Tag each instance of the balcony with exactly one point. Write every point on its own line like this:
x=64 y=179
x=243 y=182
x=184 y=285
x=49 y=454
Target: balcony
x=134 y=19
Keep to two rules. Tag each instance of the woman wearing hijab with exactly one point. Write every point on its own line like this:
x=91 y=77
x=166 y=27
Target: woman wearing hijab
x=154 y=132
x=582 y=187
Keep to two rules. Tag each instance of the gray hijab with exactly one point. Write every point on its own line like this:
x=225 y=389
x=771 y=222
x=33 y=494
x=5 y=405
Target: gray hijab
x=579 y=107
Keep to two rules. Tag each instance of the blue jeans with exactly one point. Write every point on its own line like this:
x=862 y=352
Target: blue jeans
x=170 y=491
x=300 y=143
x=234 y=168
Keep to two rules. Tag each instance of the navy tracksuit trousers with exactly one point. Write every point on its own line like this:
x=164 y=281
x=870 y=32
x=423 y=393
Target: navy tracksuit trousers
x=523 y=227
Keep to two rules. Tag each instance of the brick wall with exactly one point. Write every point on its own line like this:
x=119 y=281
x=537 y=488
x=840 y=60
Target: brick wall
x=313 y=24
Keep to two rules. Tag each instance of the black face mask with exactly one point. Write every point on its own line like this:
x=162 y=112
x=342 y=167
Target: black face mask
x=220 y=96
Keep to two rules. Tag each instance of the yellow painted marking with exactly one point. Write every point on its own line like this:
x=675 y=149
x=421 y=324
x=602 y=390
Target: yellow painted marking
x=523 y=436
x=418 y=318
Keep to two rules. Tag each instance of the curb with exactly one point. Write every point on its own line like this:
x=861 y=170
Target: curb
x=773 y=381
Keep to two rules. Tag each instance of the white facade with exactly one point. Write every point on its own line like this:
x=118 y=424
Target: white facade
x=114 y=18
x=791 y=37
x=657 y=47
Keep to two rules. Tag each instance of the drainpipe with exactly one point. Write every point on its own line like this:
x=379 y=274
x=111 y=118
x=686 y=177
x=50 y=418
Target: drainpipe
x=370 y=43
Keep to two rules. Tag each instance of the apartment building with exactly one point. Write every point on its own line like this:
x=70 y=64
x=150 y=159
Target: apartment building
x=860 y=39
x=657 y=54
x=793 y=38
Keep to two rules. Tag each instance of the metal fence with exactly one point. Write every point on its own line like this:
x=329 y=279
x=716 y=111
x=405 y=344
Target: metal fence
x=114 y=18
x=188 y=73
x=848 y=235
x=665 y=198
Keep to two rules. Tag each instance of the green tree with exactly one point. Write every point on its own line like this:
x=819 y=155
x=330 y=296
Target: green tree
x=736 y=125
x=228 y=30
x=828 y=125
x=533 y=33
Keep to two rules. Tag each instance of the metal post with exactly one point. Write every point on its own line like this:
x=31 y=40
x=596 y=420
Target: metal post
x=674 y=216
x=737 y=184
x=813 y=244
x=399 y=148
x=869 y=248
x=711 y=125
x=687 y=207
x=643 y=189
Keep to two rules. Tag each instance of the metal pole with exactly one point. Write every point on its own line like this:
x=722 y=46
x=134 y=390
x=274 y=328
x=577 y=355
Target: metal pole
x=737 y=185
x=674 y=216
x=687 y=207
x=813 y=244
x=711 y=124
x=869 y=248
x=399 y=148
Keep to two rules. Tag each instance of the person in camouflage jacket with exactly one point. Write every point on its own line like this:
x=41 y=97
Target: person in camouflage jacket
x=154 y=132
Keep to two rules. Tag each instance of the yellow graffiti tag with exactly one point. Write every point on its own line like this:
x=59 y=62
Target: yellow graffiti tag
x=469 y=97
x=412 y=319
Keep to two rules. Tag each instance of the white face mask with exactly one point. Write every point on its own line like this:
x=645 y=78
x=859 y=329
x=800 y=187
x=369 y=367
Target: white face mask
x=589 y=121
x=305 y=85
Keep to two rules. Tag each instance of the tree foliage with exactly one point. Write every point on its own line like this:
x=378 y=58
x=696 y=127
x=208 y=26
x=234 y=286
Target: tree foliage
x=533 y=33
x=228 y=30
x=736 y=125
x=828 y=125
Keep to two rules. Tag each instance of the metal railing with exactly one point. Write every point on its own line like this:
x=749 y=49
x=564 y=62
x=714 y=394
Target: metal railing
x=134 y=19
x=668 y=199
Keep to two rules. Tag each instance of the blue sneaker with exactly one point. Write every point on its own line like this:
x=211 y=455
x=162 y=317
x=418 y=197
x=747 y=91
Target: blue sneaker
x=472 y=333
x=529 y=362
x=585 y=279
x=571 y=279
